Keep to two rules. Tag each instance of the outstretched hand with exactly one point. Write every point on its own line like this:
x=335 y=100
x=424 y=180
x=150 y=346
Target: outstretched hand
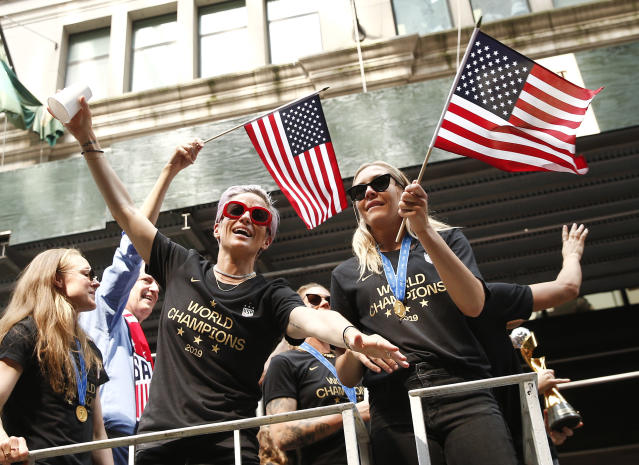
x=374 y=364
x=185 y=155
x=573 y=241
x=375 y=346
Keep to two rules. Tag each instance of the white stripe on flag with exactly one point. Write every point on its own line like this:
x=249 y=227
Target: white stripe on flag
x=303 y=184
x=331 y=178
x=558 y=94
x=551 y=110
x=487 y=115
x=500 y=154
x=276 y=170
x=530 y=119
x=501 y=136
x=304 y=159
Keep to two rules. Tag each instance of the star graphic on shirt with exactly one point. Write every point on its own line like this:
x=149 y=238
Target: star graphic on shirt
x=407 y=309
x=388 y=313
x=180 y=332
x=213 y=303
x=215 y=348
x=424 y=303
x=337 y=400
x=197 y=339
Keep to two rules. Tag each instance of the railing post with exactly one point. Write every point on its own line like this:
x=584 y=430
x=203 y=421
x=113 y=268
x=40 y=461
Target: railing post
x=237 y=446
x=350 y=438
x=419 y=426
x=535 y=441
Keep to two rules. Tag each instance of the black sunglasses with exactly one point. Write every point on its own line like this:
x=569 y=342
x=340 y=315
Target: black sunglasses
x=316 y=299
x=379 y=184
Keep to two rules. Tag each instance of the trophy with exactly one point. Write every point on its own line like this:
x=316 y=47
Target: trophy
x=560 y=412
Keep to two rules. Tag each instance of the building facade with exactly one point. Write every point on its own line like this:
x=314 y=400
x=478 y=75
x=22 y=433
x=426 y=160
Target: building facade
x=165 y=71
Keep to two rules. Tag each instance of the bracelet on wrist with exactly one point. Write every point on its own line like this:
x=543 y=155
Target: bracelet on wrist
x=344 y=336
x=95 y=154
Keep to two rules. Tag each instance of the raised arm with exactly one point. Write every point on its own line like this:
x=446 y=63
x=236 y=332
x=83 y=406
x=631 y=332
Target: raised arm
x=566 y=286
x=466 y=291
x=131 y=220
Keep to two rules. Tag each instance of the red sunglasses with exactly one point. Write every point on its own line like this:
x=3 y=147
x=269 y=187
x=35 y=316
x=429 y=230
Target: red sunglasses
x=260 y=216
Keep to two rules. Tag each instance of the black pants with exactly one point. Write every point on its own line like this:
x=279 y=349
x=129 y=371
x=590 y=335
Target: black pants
x=211 y=449
x=462 y=429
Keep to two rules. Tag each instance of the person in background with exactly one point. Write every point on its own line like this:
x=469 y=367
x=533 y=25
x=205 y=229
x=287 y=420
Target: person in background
x=299 y=379
x=124 y=300
x=49 y=369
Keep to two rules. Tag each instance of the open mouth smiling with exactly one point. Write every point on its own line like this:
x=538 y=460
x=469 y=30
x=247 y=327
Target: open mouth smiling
x=242 y=232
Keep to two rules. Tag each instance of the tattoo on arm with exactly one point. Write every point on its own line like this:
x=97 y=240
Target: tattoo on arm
x=298 y=433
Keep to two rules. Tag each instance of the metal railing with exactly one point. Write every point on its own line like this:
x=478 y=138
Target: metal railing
x=536 y=449
x=355 y=434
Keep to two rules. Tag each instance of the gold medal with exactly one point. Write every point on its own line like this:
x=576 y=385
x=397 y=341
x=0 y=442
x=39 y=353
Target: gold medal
x=81 y=413
x=399 y=309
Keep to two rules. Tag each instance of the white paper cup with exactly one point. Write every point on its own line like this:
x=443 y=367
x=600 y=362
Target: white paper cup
x=64 y=105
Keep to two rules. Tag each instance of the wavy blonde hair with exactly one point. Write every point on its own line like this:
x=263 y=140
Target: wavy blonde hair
x=56 y=320
x=364 y=244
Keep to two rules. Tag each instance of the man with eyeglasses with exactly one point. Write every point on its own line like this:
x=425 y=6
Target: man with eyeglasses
x=125 y=299
x=298 y=379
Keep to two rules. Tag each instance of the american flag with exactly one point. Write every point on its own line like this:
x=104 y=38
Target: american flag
x=512 y=113
x=294 y=145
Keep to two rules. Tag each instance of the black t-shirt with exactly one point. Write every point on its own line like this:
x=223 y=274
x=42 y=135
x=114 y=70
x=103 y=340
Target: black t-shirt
x=37 y=413
x=299 y=375
x=433 y=323
x=506 y=302
x=212 y=344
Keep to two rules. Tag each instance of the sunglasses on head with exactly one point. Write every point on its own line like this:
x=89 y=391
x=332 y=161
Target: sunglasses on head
x=316 y=299
x=259 y=215
x=379 y=184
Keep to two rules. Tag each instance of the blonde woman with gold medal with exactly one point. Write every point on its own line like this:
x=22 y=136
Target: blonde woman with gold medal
x=49 y=370
x=417 y=293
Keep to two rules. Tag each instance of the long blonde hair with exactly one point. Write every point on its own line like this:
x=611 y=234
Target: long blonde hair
x=364 y=244
x=56 y=320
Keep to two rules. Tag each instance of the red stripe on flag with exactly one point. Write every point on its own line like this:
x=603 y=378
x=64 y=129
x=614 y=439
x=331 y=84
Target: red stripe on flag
x=290 y=168
x=493 y=144
x=517 y=122
x=277 y=173
x=506 y=128
x=552 y=101
x=561 y=84
x=324 y=171
x=336 y=175
x=506 y=165
x=312 y=163
x=542 y=115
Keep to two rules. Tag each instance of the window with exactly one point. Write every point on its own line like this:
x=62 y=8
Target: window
x=224 y=39
x=421 y=17
x=293 y=29
x=494 y=10
x=562 y=3
x=154 y=54
x=88 y=61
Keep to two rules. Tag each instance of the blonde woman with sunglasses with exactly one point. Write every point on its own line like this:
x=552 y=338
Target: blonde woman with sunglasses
x=219 y=321
x=49 y=369
x=418 y=294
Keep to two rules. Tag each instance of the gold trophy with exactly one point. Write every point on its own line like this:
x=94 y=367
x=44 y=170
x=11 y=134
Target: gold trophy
x=560 y=412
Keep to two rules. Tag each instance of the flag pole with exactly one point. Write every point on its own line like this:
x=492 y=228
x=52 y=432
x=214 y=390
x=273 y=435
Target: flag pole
x=402 y=228
x=359 y=47
x=258 y=117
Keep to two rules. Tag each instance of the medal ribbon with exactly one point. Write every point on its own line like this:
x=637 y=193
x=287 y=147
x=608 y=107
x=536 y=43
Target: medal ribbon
x=350 y=392
x=81 y=376
x=397 y=282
